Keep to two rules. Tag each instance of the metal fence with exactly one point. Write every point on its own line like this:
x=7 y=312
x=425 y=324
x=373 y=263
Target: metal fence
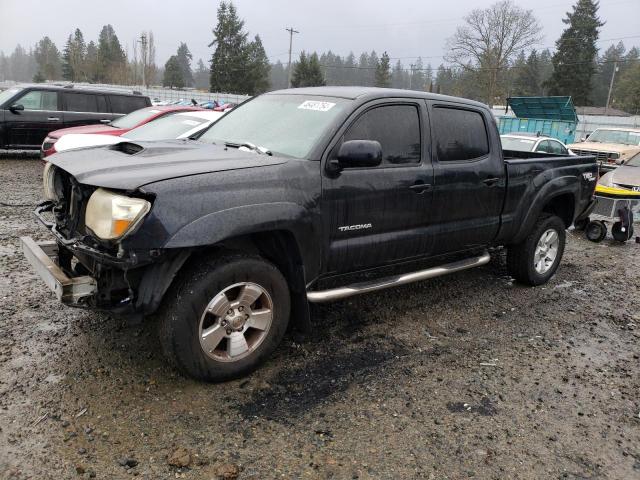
x=162 y=94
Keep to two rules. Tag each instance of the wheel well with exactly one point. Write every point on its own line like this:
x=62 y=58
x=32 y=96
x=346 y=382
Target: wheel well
x=280 y=248
x=563 y=206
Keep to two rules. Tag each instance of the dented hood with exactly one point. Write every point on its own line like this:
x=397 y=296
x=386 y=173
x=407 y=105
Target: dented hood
x=130 y=165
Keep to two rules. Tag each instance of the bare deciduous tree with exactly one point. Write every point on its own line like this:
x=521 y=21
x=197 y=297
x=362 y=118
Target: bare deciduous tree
x=490 y=39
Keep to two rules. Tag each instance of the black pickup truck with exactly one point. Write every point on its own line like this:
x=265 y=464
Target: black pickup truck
x=297 y=196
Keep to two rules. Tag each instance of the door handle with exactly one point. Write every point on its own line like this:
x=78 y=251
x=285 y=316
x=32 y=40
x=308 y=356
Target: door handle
x=420 y=187
x=53 y=119
x=491 y=181
x=105 y=120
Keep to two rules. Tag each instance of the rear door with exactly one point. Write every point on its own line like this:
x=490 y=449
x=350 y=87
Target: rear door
x=123 y=104
x=28 y=128
x=85 y=108
x=375 y=216
x=469 y=177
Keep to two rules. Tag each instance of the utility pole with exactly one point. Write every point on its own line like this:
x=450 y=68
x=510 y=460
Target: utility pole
x=411 y=66
x=143 y=41
x=613 y=76
x=291 y=32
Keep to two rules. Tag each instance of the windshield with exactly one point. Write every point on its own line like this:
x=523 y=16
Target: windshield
x=7 y=94
x=633 y=161
x=288 y=125
x=625 y=137
x=517 y=144
x=134 y=119
x=165 y=128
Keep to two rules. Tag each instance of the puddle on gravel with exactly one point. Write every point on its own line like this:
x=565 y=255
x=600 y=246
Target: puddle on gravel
x=293 y=392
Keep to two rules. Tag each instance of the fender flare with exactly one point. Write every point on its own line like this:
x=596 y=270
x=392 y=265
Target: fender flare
x=552 y=189
x=249 y=219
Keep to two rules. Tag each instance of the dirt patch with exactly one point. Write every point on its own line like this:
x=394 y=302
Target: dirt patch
x=467 y=376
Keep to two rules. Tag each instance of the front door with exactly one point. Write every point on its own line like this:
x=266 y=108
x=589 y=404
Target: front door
x=469 y=177
x=375 y=216
x=28 y=128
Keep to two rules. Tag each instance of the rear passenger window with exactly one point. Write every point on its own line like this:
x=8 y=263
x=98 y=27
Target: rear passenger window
x=396 y=127
x=81 y=102
x=459 y=134
x=126 y=104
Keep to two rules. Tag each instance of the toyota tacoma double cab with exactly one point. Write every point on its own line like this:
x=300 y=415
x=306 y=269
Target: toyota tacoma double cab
x=295 y=197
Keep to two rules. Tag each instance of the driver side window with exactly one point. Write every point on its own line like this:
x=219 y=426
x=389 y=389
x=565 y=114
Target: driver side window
x=396 y=127
x=39 y=100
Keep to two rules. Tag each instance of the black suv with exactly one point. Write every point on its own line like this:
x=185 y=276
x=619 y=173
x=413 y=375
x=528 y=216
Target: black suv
x=28 y=113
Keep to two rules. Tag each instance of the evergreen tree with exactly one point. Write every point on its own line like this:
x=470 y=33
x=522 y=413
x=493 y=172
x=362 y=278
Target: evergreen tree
x=399 y=76
x=184 y=57
x=383 y=72
x=47 y=57
x=307 y=72
x=602 y=79
x=527 y=75
x=628 y=92
x=90 y=67
x=574 y=62
x=201 y=76
x=112 y=60
x=258 y=68
x=278 y=74
x=173 y=74
x=229 y=60
x=73 y=58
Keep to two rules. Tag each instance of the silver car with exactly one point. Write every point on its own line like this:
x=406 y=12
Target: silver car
x=531 y=142
x=626 y=176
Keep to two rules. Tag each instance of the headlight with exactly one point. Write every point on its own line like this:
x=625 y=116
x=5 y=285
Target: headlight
x=606 y=180
x=48 y=179
x=111 y=216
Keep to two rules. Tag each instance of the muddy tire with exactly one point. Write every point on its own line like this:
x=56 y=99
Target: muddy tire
x=224 y=317
x=535 y=260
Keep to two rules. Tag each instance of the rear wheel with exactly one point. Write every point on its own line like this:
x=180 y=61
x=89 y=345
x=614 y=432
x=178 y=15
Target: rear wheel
x=535 y=260
x=225 y=317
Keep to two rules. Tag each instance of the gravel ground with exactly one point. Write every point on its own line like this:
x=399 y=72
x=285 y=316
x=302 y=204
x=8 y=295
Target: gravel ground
x=465 y=376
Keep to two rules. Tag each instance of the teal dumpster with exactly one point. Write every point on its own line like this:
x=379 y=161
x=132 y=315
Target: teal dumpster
x=547 y=116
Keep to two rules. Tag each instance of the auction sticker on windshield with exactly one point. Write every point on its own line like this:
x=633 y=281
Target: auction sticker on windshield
x=317 y=106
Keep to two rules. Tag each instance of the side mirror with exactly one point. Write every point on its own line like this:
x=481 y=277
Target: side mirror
x=358 y=154
x=619 y=161
x=16 y=108
x=583 y=139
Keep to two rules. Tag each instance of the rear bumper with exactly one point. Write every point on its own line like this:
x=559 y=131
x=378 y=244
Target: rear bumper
x=69 y=290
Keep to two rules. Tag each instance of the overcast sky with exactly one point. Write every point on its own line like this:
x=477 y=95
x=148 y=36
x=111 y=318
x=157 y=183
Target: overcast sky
x=404 y=28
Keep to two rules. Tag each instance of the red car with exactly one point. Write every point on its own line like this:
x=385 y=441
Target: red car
x=117 y=127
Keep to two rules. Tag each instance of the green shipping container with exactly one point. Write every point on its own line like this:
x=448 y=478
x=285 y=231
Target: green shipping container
x=547 y=116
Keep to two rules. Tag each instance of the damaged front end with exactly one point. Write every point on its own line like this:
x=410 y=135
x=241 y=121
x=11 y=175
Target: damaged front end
x=87 y=265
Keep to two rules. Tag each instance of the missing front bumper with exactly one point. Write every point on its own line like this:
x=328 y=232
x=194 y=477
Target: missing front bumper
x=42 y=257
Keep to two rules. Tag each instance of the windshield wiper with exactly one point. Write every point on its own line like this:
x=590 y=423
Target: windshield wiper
x=254 y=148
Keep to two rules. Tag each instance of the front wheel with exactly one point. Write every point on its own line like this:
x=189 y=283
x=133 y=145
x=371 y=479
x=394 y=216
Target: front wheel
x=225 y=317
x=535 y=260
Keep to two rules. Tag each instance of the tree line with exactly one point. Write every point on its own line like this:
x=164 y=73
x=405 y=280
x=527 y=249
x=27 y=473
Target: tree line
x=504 y=63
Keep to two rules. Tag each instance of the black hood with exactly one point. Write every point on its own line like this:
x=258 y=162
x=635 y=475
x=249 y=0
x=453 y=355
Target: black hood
x=127 y=165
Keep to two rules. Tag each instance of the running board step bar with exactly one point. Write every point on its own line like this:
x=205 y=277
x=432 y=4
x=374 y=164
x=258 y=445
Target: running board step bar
x=397 y=280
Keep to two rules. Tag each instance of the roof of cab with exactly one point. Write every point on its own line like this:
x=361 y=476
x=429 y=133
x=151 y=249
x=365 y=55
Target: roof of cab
x=360 y=93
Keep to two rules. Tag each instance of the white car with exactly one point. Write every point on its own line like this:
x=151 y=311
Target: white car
x=524 y=142
x=177 y=125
